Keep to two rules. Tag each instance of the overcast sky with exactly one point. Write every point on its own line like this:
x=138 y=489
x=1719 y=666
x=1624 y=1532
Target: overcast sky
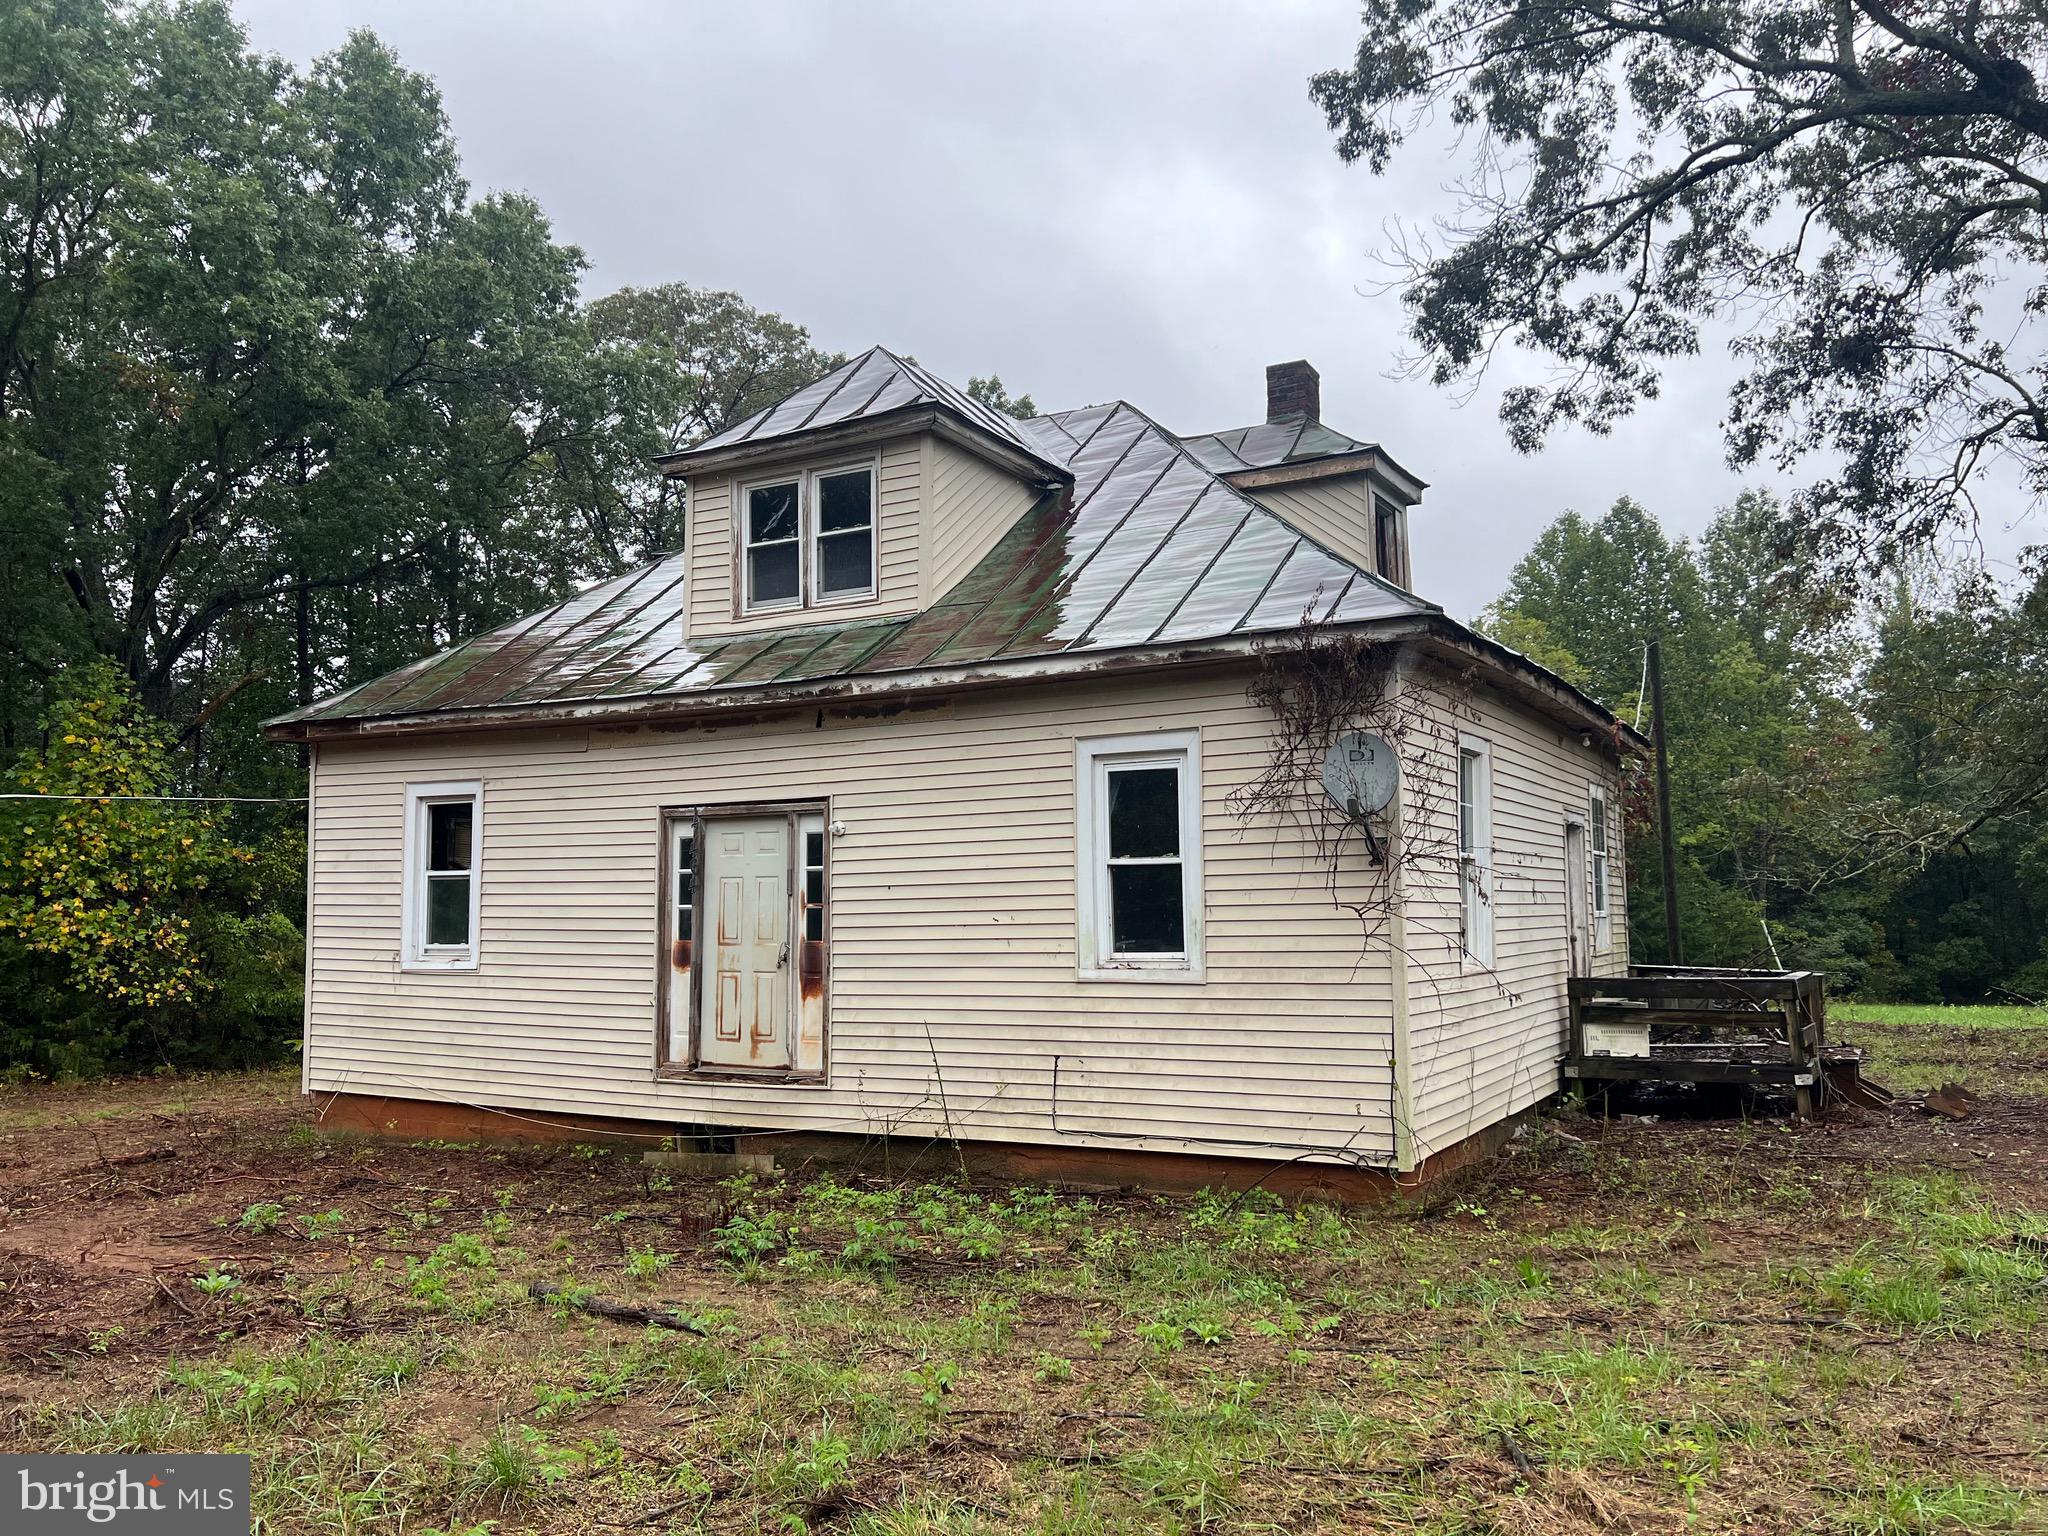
x=1094 y=200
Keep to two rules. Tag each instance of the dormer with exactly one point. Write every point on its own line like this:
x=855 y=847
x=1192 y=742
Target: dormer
x=865 y=495
x=1346 y=494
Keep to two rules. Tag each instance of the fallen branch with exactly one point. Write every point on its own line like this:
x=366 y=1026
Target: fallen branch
x=132 y=1159
x=617 y=1311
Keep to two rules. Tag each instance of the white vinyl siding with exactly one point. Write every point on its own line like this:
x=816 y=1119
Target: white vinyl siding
x=973 y=504
x=1486 y=1043
x=953 y=933
x=1336 y=513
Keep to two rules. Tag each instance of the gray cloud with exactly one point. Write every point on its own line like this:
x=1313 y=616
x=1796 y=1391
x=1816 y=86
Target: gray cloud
x=1096 y=201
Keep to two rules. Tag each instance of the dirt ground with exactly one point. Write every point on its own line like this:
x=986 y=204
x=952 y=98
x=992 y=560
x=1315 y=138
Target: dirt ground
x=1616 y=1326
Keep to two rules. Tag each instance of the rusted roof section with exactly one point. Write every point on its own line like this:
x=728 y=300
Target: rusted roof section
x=1147 y=548
x=873 y=384
x=1290 y=440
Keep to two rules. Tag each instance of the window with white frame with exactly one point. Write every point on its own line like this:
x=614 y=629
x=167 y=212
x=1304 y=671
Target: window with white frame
x=1138 y=832
x=443 y=840
x=1596 y=820
x=808 y=539
x=772 y=525
x=1475 y=849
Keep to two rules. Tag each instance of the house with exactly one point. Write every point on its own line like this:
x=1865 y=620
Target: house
x=932 y=790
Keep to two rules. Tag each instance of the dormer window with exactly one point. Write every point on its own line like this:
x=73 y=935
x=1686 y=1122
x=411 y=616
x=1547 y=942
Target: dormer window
x=808 y=539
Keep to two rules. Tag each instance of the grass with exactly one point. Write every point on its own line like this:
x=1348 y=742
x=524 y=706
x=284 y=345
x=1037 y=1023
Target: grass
x=1737 y=1326
x=1915 y=1046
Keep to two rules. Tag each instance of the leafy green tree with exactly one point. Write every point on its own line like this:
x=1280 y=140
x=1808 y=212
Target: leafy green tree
x=1958 y=693
x=261 y=354
x=1774 y=783
x=990 y=392
x=133 y=929
x=724 y=359
x=1861 y=182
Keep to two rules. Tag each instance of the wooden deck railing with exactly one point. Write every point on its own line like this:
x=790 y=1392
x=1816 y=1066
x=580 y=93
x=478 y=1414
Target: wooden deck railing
x=1778 y=1019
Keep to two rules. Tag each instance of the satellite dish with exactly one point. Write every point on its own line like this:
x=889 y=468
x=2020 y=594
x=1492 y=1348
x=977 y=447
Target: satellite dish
x=1360 y=772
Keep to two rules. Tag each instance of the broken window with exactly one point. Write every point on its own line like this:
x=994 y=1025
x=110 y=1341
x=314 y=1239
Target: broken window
x=1141 y=854
x=808 y=540
x=1390 y=553
x=440 y=896
x=773 y=528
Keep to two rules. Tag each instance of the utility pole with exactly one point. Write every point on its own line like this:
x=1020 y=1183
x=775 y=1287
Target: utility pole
x=1674 y=953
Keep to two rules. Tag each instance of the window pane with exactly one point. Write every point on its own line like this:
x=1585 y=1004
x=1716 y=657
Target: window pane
x=448 y=910
x=771 y=513
x=1144 y=813
x=845 y=563
x=1599 y=827
x=1468 y=801
x=845 y=501
x=448 y=827
x=686 y=890
x=1145 y=915
x=771 y=574
x=814 y=849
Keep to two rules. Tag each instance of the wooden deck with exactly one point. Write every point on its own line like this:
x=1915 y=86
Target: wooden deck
x=1706 y=1025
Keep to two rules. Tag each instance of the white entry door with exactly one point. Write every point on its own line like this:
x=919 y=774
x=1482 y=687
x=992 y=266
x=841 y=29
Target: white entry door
x=745 y=1009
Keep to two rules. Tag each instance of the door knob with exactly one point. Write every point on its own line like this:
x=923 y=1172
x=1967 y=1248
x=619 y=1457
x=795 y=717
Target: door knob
x=782 y=959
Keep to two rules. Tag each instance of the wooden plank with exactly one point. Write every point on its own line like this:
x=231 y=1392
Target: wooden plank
x=1664 y=989
x=1755 y=1021
x=1638 y=1069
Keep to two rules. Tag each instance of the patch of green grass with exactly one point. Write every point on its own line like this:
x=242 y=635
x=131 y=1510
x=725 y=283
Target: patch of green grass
x=1915 y=1046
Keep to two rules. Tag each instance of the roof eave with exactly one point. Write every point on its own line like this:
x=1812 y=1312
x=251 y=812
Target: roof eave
x=1444 y=636
x=1533 y=682
x=920 y=417
x=717 y=702
x=1369 y=461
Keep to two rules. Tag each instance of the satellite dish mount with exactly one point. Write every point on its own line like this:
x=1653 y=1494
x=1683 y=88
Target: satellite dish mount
x=1360 y=774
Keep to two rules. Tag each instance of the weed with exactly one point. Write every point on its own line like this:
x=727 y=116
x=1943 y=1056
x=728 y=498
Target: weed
x=261 y=1217
x=1050 y=1367
x=644 y=1264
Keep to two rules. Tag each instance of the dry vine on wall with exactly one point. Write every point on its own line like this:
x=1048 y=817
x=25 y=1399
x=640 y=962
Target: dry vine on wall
x=1318 y=684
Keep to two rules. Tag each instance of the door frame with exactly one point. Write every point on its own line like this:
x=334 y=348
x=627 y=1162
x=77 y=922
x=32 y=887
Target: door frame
x=693 y=1067
x=1578 y=909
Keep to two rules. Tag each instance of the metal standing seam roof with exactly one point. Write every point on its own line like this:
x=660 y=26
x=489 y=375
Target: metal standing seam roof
x=1268 y=444
x=873 y=384
x=1148 y=547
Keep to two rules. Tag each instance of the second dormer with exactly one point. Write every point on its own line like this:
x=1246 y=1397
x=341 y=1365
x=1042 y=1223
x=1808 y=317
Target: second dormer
x=865 y=495
x=1346 y=494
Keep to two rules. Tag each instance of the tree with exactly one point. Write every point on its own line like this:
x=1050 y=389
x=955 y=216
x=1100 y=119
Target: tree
x=133 y=929
x=261 y=352
x=1866 y=183
x=725 y=361
x=1776 y=796
x=990 y=392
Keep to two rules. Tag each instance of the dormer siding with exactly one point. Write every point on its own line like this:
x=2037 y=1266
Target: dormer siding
x=900 y=508
x=973 y=504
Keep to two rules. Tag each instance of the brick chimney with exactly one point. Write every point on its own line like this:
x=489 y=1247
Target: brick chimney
x=1293 y=389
